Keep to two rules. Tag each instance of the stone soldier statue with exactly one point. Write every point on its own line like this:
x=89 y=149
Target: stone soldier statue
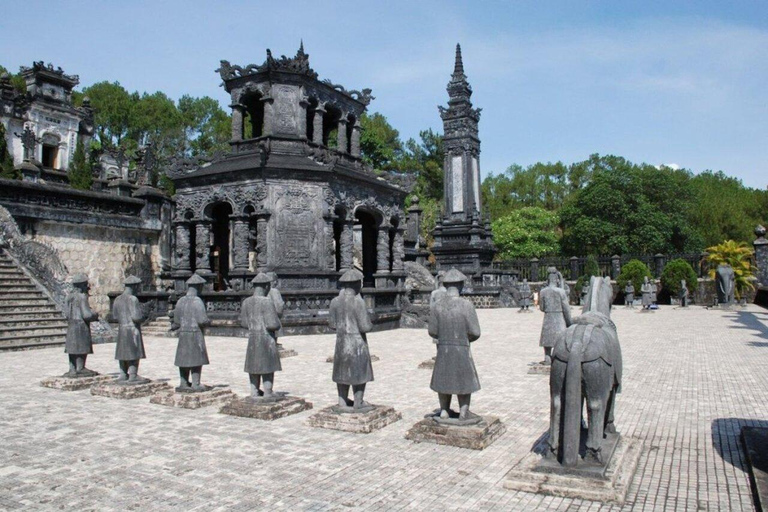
x=584 y=293
x=647 y=292
x=557 y=314
x=130 y=345
x=262 y=359
x=189 y=318
x=439 y=290
x=562 y=284
x=348 y=316
x=453 y=321
x=525 y=296
x=79 y=316
x=277 y=299
x=683 y=296
x=629 y=295
x=654 y=292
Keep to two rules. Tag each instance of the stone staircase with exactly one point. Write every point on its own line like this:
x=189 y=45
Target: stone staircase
x=28 y=316
x=159 y=327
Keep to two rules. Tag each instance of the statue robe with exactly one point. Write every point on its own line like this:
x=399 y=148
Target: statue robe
x=525 y=295
x=351 y=359
x=277 y=300
x=557 y=314
x=647 y=292
x=189 y=318
x=629 y=294
x=436 y=295
x=454 y=323
x=79 y=316
x=259 y=316
x=127 y=311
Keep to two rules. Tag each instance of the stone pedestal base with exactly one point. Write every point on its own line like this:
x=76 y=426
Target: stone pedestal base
x=66 y=383
x=286 y=352
x=334 y=418
x=329 y=359
x=429 y=364
x=539 y=369
x=265 y=409
x=115 y=389
x=544 y=476
x=475 y=437
x=194 y=400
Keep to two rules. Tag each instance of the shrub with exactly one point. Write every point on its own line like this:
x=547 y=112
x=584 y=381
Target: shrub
x=739 y=256
x=80 y=175
x=634 y=271
x=674 y=272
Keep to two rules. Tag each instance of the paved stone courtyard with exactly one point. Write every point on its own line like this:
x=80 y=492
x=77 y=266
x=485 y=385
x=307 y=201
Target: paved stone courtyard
x=692 y=378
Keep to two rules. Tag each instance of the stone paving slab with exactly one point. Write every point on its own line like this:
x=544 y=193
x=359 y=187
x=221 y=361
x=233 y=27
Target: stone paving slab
x=692 y=380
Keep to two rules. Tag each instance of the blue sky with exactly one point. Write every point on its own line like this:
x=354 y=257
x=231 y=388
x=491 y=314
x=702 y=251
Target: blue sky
x=668 y=82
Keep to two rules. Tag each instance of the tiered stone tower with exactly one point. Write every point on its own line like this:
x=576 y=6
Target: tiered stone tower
x=463 y=239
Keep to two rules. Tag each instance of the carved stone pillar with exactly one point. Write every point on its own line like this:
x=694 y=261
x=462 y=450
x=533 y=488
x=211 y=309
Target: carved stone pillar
x=347 y=244
x=303 y=104
x=354 y=143
x=382 y=250
x=240 y=243
x=262 y=256
x=203 y=247
x=237 y=122
x=317 y=125
x=761 y=255
x=181 y=249
x=398 y=251
x=269 y=115
x=330 y=245
x=341 y=135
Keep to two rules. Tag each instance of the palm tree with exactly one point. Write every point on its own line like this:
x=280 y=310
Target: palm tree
x=739 y=256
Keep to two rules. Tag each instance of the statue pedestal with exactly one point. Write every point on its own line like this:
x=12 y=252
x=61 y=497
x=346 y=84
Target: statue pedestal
x=67 y=383
x=607 y=482
x=216 y=395
x=539 y=369
x=266 y=410
x=374 y=358
x=477 y=436
x=429 y=364
x=285 y=352
x=335 y=418
x=125 y=391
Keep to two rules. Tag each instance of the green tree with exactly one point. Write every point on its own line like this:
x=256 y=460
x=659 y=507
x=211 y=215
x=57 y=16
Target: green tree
x=112 y=111
x=634 y=271
x=591 y=269
x=207 y=128
x=674 y=272
x=425 y=159
x=526 y=233
x=380 y=143
x=79 y=172
x=16 y=79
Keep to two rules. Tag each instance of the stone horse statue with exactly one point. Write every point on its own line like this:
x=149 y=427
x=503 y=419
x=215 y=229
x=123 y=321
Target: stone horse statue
x=586 y=365
x=726 y=280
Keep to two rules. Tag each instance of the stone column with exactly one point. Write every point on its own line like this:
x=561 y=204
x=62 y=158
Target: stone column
x=658 y=263
x=574 y=268
x=347 y=244
x=240 y=243
x=761 y=256
x=203 y=247
x=330 y=243
x=534 y=269
x=382 y=250
x=317 y=125
x=303 y=104
x=398 y=251
x=262 y=257
x=237 y=122
x=355 y=141
x=341 y=135
x=269 y=115
x=181 y=249
x=615 y=266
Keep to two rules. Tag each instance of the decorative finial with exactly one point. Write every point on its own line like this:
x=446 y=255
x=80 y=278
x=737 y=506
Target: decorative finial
x=301 y=47
x=458 y=68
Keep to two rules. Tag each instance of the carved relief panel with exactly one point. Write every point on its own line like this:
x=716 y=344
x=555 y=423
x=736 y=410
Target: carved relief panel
x=297 y=230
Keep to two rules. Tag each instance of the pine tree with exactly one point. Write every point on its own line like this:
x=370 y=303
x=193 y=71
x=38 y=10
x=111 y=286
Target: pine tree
x=7 y=170
x=80 y=175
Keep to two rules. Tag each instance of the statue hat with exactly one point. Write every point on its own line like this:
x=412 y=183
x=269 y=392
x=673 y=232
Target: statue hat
x=454 y=276
x=272 y=276
x=351 y=276
x=551 y=270
x=195 y=279
x=79 y=279
x=261 y=279
x=131 y=280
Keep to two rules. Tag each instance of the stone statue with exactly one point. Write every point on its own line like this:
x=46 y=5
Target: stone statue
x=647 y=290
x=562 y=284
x=683 y=295
x=586 y=367
x=262 y=359
x=557 y=314
x=348 y=316
x=584 y=294
x=525 y=296
x=629 y=295
x=453 y=321
x=726 y=284
x=439 y=290
x=189 y=318
x=130 y=345
x=79 y=316
x=277 y=299
x=654 y=292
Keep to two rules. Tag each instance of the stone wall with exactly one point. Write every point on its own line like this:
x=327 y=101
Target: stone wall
x=105 y=254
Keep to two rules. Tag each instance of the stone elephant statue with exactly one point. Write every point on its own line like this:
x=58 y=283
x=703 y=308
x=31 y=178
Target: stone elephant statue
x=725 y=278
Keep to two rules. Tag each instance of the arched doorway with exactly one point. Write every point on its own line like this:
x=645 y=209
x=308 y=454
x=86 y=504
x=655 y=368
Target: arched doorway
x=369 y=234
x=220 y=229
x=340 y=215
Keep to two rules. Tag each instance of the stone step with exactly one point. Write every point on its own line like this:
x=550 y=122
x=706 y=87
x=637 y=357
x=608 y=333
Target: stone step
x=22 y=303
x=14 y=294
x=15 y=281
x=11 y=272
x=30 y=342
x=10 y=309
x=58 y=328
x=20 y=316
x=32 y=322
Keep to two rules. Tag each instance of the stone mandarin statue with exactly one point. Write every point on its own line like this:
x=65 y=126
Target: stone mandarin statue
x=79 y=316
x=683 y=295
x=453 y=321
x=629 y=295
x=586 y=368
x=439 y=290
x=190 y=318
x=348 y=316
x=130 y=345
x=277 y=300
x=647 y=290
x=557 y=314
x=262 y=359
x=525 y=296
x=562 y=284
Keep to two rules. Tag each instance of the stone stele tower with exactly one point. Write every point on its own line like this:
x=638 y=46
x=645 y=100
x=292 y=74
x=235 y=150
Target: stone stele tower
x=463 y=239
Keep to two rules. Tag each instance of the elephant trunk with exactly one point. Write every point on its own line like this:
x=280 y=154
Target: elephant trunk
x=572 y=406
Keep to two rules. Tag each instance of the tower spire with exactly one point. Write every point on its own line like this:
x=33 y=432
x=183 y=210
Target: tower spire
x=458 y=67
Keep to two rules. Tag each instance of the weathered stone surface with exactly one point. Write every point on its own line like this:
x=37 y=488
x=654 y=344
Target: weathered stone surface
x=113 y=389
x=755 y=441
x=374 y=358
x=268 y=411
x=474 y=437
x=73 y=383
x=612 y=488
x=360 y=423
x=429 y=364
x=539 y=369
x=286 y=352
x=193 y=400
